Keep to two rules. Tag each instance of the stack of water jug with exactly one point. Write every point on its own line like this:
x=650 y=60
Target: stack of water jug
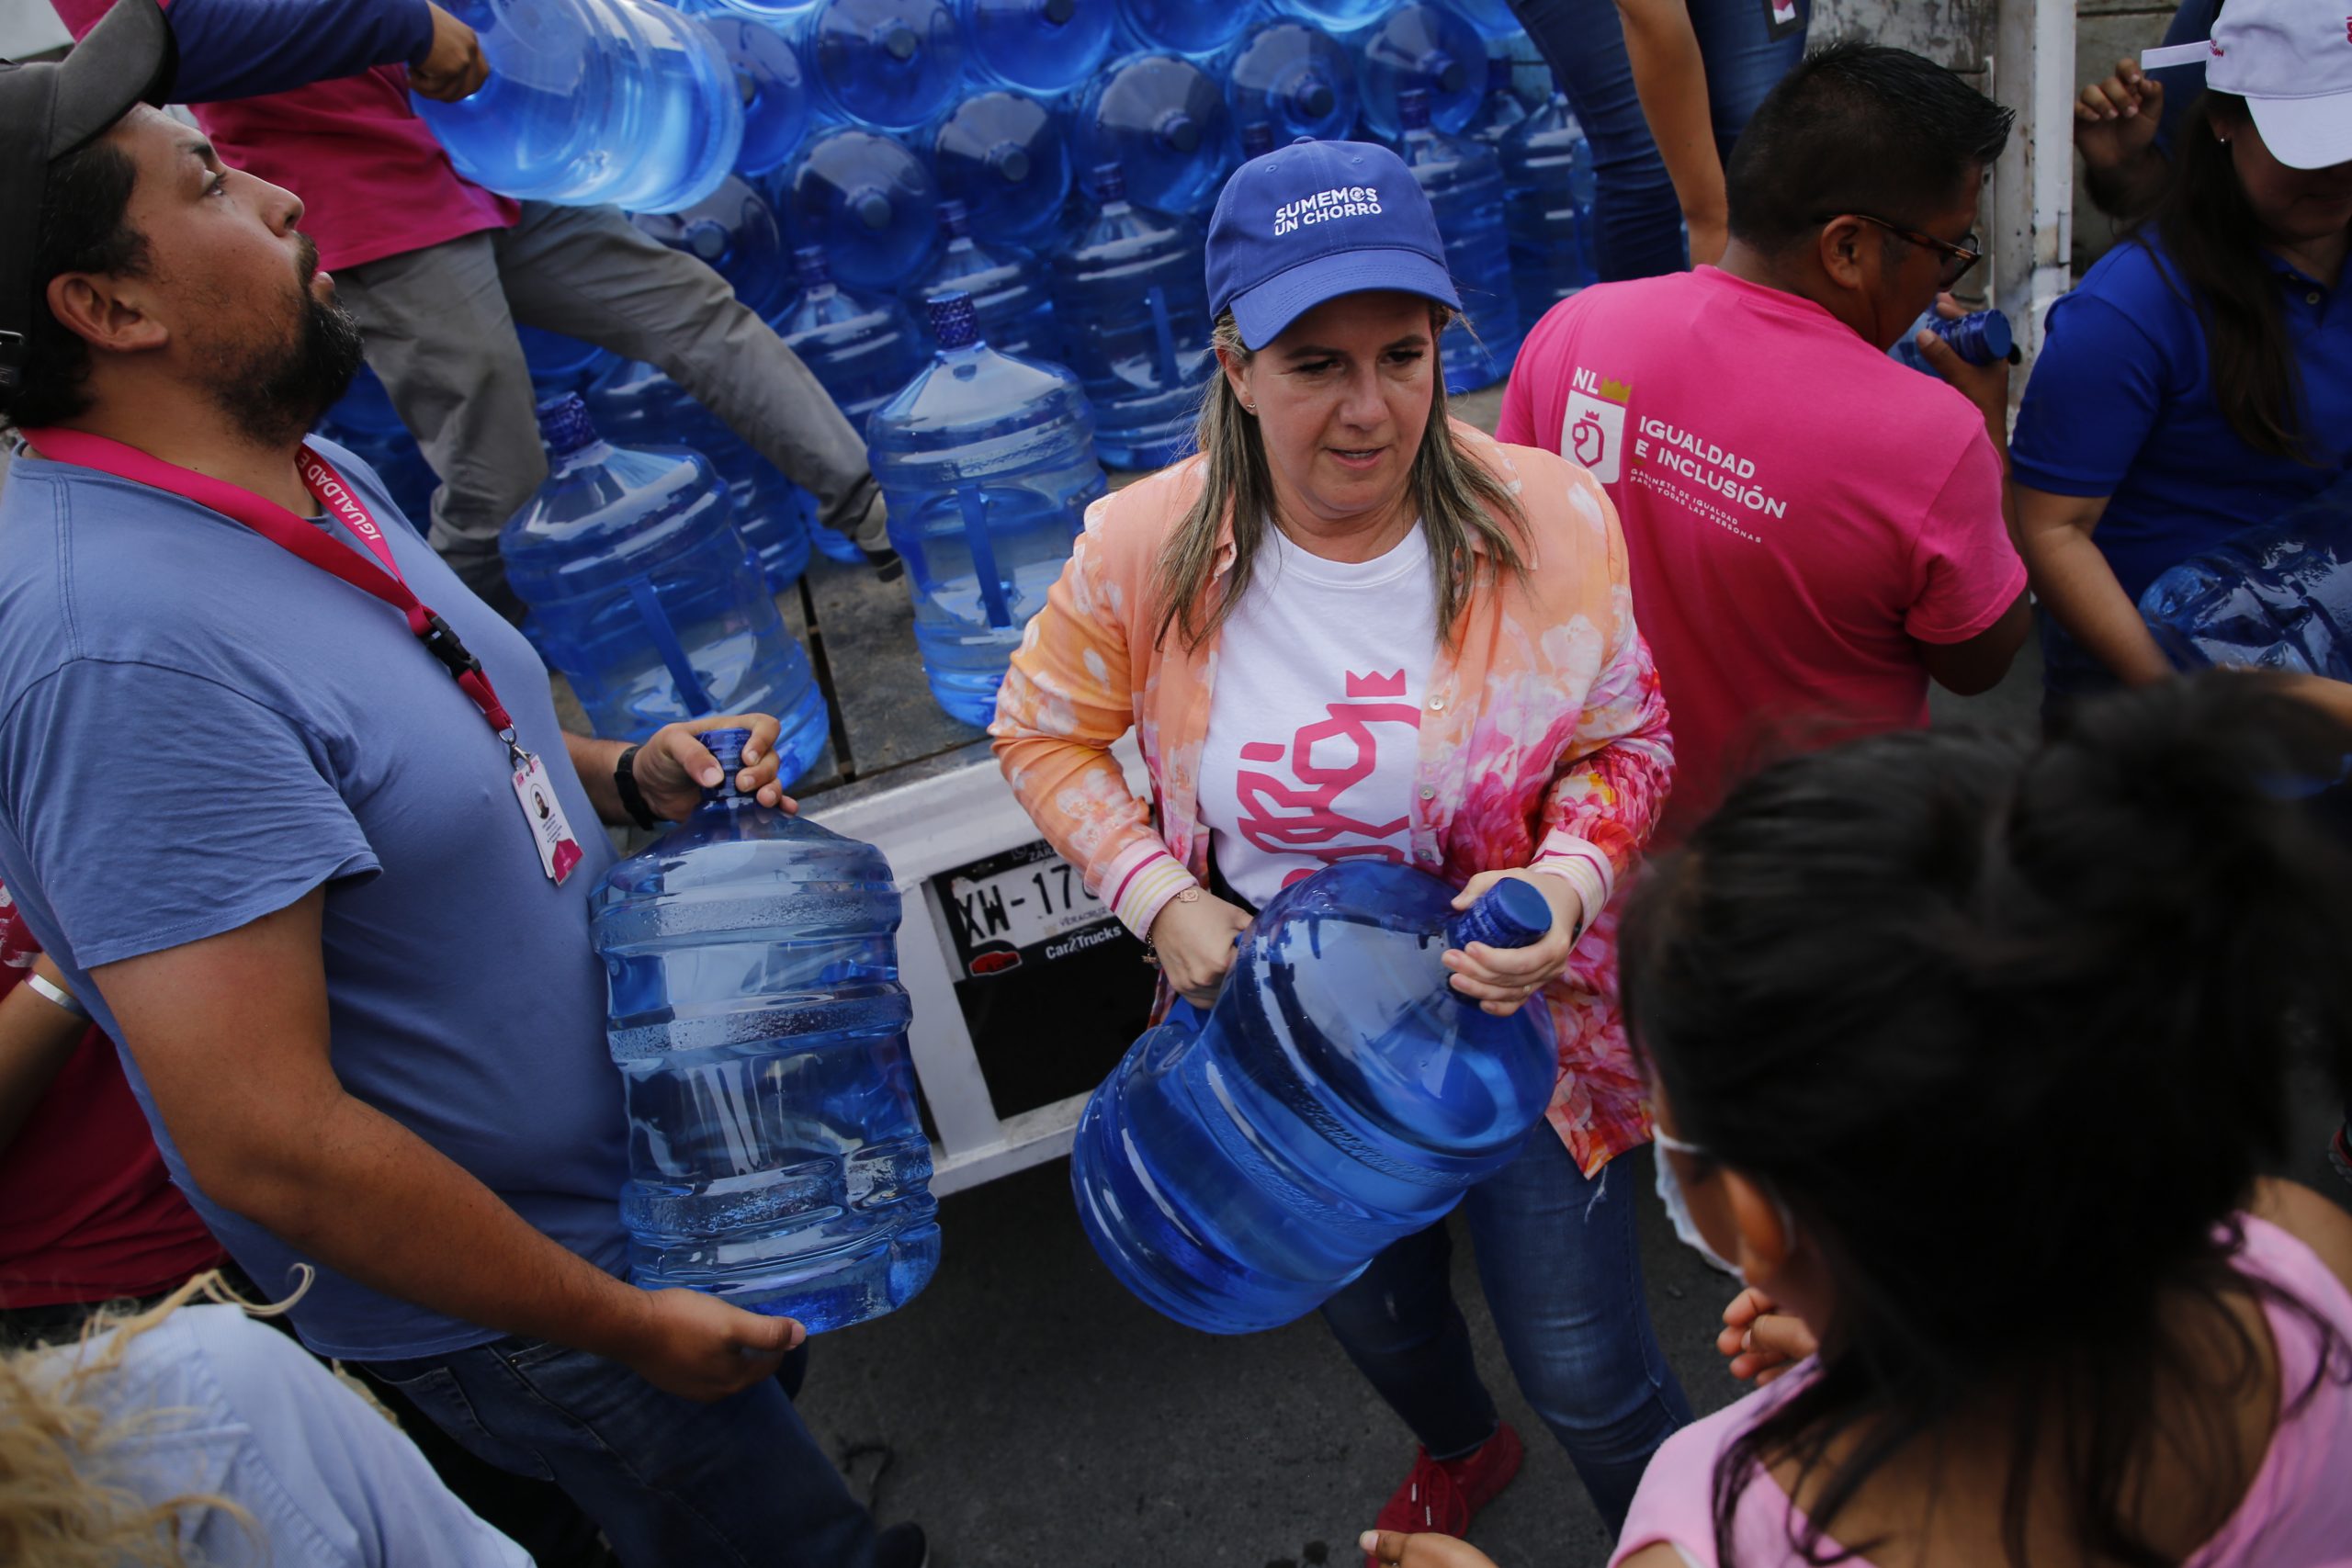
x=852 y=167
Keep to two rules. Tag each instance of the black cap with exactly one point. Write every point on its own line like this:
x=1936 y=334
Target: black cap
x=48 y=110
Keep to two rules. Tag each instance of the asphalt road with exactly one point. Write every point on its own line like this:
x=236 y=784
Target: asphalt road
x=1032 y=1415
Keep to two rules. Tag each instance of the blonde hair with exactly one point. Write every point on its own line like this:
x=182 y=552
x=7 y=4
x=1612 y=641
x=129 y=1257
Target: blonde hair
x=1459 y=500
x=54 y=1509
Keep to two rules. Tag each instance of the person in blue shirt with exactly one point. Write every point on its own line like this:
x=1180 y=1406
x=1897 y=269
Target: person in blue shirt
x=361 y=1014
x=2198 y=380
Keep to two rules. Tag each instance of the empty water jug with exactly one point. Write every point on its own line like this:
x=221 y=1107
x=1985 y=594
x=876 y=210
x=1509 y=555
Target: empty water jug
x=635 y=404
x=733 y=231
x=1502 y=110
x=593 y=101
x=777 y=1159
x=1297 y=80
x=1038 y=46
x=1547 y=167
x=774 y=89
x=1426 y=47
x=1236 y=1171
x=888 y=63
x=2273 y=597
x=1133 y=309
x=643 y=594
x=1335 y=16
x=1007 y=289
x=863 y=350
x=1164 y=120
x=1195 y=27
x=1464 y=180
x=867 y=201
x=1004 y=156
x=1979 y=337
x=987 y=463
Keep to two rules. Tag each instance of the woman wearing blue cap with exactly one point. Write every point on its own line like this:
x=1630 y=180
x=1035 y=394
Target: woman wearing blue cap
x=1353 y=628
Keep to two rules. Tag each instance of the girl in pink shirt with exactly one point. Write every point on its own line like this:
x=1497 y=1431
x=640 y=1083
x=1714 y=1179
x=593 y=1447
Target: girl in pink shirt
x=1967 y=1055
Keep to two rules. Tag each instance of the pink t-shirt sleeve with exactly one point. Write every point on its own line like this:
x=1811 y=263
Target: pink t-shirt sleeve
x=1964 y=570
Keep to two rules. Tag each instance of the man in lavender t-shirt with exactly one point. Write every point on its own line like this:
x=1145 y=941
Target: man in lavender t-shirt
x=1814 y=529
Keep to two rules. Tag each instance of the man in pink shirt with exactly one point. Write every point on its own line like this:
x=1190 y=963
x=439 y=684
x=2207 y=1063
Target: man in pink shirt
x=439 y=271
x=1814 y=529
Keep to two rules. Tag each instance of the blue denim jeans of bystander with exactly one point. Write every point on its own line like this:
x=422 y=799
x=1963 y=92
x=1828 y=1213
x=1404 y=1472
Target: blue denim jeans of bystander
x=739 y=1482
x=1637 y=219
x=1562 y=1269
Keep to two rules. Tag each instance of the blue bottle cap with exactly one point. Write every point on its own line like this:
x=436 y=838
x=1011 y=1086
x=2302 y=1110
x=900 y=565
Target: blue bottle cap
x=955 y=218
x=953 y=320
x=1257 y=139
x=564 y=424
x=727 y=745
x=1413 y=108
x=1110 y=181
x=1058 y=12
x=808 y=263
x=1512 y=913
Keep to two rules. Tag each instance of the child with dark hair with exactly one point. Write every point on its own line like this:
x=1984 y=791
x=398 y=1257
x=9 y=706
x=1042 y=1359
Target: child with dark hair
x=1968 y=1054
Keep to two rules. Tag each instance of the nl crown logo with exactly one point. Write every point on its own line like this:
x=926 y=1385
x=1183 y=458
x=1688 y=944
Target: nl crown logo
x=1592 y=427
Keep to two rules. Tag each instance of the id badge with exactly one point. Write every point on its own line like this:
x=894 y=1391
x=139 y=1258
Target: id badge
x=559 y=850
x=1783 y=17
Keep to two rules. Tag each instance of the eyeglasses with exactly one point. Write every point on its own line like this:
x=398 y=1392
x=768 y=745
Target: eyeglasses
x=1958 y=258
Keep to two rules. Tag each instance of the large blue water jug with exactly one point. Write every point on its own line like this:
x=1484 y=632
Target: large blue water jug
x=1334 y=15
x=1464 y=180
x=1236 y=1172
x=867 y=201
x=777 y=1159
x=643 y=594
x=1133 y=307
x=365 y=421
x=1008 y=288
x=1038 y=46
x=888 y=64
x=987 y=464
x=1979 y=337
x=1297 y=80
x=635 y=404
x=1164 y=120
x=772 y=85
x=593 y=101
x=2274 y=597
x=1547 y=167
x=1194 y=28
x=1427 y=46
x=1502 y=111
x=1006 y=157
x=861 y=349
x=776 y=13
x=733 y=229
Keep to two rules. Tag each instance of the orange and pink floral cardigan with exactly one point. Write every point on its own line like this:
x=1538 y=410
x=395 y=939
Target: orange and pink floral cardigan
x=1543 y=740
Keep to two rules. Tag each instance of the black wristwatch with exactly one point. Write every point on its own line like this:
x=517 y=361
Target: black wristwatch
x=632 y=798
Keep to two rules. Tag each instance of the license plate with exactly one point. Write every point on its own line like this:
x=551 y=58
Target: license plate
x=1017 y=901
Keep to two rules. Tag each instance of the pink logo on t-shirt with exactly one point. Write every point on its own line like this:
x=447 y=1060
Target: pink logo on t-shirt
x=1297 y=811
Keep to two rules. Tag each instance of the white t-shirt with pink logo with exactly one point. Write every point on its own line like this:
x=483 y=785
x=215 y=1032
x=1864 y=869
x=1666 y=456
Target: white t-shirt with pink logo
x=1314 y=716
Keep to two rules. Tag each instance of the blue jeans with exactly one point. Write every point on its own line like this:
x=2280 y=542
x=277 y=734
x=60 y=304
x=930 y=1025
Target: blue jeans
x=1563 y=1273
x=668 y=1480
x=1637 y=219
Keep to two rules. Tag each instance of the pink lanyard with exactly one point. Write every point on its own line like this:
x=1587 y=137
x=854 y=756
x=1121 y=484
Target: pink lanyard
x=291 y=533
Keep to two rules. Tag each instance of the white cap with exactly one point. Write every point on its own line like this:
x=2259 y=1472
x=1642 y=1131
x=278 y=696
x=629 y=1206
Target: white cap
x=2292 y=60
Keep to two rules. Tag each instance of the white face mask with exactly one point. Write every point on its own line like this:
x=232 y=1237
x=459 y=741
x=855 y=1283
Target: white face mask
x=1677 y=1207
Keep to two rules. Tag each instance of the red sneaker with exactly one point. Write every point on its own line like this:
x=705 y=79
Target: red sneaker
x=1445 y=1497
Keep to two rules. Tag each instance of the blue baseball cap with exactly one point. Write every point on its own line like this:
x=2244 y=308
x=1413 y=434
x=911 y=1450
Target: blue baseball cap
x=1314 y=221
